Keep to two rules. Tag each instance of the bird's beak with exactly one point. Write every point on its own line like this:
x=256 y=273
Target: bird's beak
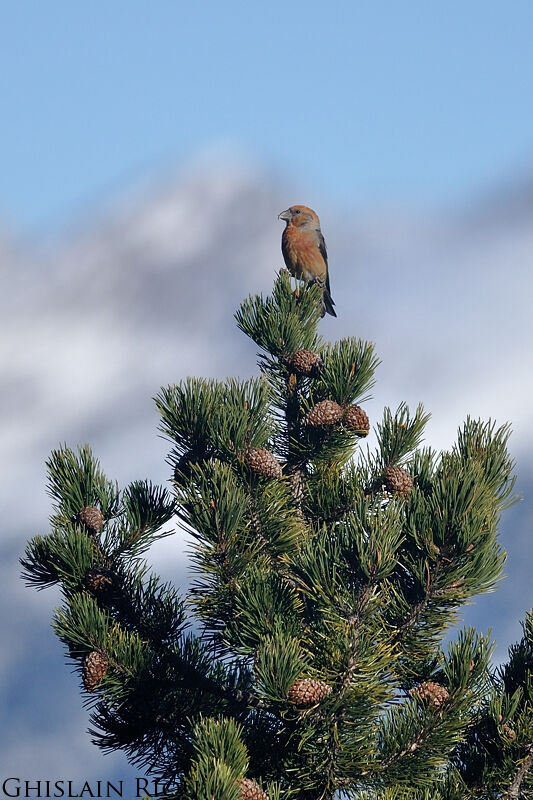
x=286 y=215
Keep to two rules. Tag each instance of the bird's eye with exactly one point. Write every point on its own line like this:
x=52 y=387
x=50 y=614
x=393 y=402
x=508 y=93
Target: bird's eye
x=297 y=211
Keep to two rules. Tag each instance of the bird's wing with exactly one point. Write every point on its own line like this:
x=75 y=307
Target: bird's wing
x=324 y=253
x=285 y=247
x=322 y=245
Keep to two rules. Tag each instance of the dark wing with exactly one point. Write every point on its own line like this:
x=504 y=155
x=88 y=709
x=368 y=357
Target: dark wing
x=285 y=249
x=323 y=253
x=322 y=245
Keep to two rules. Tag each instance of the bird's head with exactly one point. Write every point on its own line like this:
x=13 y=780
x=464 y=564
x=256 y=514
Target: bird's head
x=300 y=217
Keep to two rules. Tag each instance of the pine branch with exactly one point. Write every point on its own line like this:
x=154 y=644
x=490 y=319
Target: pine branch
x=235 y=697
x=295 y=468
x=513 y=792
x=415 y=613
x=355 y=621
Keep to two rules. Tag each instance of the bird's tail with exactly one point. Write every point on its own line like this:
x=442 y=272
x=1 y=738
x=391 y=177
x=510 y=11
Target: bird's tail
x=327 y=304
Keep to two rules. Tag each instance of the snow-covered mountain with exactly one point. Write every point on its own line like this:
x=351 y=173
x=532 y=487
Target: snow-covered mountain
x=94 y=322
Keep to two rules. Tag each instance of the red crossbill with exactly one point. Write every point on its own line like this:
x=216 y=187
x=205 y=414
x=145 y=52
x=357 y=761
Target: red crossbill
x=304 y=251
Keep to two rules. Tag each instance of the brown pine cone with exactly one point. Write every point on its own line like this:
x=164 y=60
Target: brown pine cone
x=263 y=462
x=250 y=790
x=327 y=412
x=355 y=419
x=95 y=666
x=508 y=731
x=92 y=518
x=307 y=692
x=100 y=581
x=305 y=362
x=397 y=481
x=434 y=694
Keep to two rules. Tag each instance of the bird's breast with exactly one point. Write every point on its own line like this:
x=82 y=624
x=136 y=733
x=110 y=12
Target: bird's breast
x=302 y=256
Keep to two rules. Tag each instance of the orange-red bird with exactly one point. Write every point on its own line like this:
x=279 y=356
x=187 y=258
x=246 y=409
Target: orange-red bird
x=304 y=251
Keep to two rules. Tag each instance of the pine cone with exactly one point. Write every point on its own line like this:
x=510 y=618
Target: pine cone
x=95 y=666
x=307 y=692
x=250 y=790
x=305 y=362
x=92 y=518
x=356 y=420
x=100 y=581
x=397 y=481
x=263 y=462
x=327 y=412
x=508 y=731
x=433 y=693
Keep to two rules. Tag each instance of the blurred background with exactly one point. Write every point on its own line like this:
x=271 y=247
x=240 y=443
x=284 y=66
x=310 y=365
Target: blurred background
x=146 y=150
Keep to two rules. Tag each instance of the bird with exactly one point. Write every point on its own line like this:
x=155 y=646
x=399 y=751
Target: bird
x=304 y=251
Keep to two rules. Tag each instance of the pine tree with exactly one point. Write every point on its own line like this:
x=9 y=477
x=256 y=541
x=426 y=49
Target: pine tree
x=307 y=660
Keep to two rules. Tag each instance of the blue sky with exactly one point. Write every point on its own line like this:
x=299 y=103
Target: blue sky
x=413 y=101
